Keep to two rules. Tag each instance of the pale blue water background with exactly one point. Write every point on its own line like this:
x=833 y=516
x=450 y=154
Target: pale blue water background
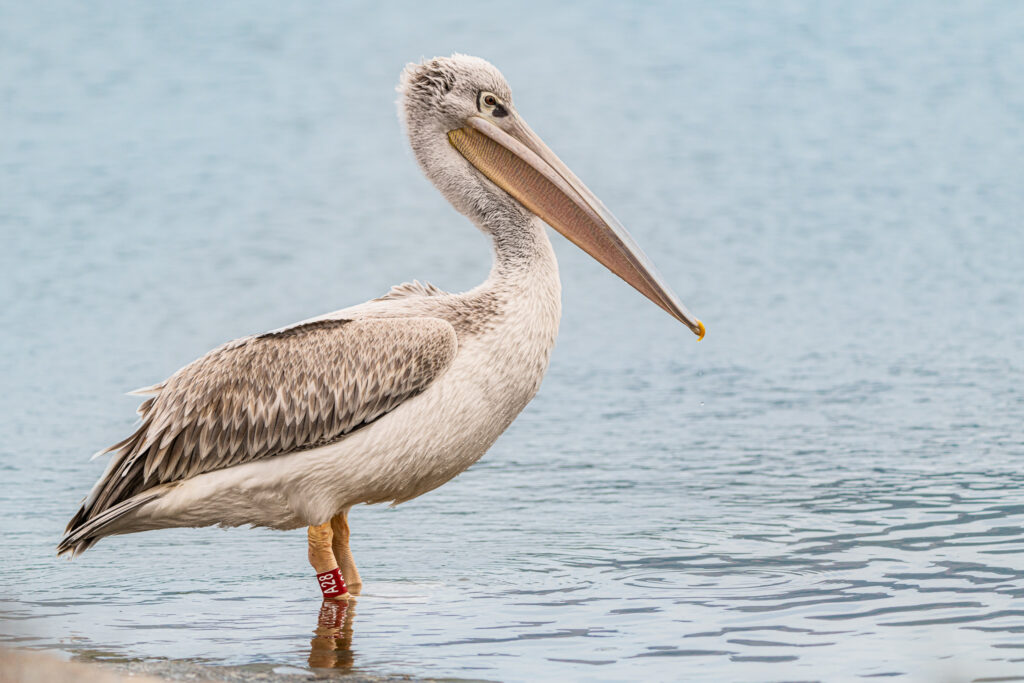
x=827 y=488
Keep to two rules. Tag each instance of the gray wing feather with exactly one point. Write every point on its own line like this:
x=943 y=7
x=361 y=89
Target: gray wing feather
x=258 y=397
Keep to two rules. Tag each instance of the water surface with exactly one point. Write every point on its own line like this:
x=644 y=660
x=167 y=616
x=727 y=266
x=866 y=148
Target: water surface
x=827 y=488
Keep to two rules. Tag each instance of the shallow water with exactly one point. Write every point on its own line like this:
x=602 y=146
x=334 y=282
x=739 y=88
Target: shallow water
x=828 y=487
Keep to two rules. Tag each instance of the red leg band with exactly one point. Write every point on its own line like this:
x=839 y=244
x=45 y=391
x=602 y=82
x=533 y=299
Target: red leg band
x=331 y=583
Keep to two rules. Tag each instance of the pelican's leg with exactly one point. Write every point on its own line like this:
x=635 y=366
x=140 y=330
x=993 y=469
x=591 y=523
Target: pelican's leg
x=343 y=554
x=321 y=556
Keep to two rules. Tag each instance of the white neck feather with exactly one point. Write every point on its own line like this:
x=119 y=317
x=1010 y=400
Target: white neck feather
x=522 y=250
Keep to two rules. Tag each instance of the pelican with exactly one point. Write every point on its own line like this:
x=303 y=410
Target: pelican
x=386 y=400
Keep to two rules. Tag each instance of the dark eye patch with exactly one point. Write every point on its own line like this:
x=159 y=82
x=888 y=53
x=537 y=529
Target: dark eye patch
x=497 y=109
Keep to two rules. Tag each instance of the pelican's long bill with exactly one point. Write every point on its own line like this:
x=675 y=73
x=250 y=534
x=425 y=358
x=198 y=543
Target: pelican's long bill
x=522 y=165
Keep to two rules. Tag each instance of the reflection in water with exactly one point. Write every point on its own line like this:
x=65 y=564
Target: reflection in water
x=331 y=647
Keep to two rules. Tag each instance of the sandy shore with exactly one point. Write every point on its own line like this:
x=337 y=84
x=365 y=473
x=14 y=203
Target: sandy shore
x=23 y=666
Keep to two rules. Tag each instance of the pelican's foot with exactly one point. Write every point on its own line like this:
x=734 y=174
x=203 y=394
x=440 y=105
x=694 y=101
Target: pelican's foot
x=332 y=584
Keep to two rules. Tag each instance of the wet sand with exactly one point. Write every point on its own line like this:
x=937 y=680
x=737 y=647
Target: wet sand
x=21 y=666
x=24 y=666
x=268 y=673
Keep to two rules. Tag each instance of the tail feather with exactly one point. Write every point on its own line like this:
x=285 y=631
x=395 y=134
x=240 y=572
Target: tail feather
x=84 y=531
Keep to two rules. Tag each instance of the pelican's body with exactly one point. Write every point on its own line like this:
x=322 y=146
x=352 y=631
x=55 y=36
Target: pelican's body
x=389 y=399
x=505 y=331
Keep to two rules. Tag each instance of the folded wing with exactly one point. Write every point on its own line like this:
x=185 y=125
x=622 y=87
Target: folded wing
x=264 y=396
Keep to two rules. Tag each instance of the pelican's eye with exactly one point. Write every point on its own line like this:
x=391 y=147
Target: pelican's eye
x=489 y=103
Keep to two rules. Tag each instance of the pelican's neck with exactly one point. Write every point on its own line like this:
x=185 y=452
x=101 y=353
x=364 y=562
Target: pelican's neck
x=524 y=283
x=521 y=248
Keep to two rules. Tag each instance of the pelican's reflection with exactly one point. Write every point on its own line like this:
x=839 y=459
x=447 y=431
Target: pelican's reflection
x=331 y=647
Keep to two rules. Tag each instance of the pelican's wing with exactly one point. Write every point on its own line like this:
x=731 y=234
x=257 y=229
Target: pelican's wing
x=259 y=397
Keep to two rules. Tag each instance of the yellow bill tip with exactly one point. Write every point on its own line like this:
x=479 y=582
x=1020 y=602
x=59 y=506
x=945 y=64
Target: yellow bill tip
x=702 y=330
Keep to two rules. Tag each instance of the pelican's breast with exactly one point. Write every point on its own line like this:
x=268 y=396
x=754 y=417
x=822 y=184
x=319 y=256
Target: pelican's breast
x=506 y=335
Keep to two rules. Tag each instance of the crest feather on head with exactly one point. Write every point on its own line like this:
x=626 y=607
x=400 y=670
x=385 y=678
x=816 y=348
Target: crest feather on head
x=427 y=80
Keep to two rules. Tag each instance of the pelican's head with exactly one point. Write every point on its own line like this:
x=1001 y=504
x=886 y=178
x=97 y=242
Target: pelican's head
x=471 y=142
